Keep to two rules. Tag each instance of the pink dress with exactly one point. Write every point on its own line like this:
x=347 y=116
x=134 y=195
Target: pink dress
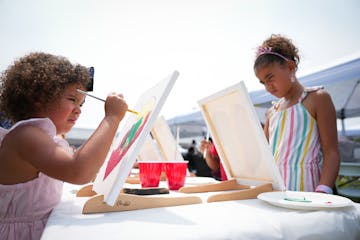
x=25 y=207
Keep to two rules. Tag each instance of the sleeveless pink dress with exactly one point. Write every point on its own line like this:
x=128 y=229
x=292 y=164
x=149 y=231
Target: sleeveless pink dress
x=25 y=207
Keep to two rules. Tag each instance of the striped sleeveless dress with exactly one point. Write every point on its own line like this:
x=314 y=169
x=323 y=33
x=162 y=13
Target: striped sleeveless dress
x=295 y=143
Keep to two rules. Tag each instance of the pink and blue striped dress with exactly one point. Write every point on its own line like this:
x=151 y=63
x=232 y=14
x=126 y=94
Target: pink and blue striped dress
x=295 y=143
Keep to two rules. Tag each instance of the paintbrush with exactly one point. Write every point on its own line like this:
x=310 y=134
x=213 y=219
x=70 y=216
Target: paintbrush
x=87 y=94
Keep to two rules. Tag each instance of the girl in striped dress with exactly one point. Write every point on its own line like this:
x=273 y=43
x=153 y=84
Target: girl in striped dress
x=301 y=126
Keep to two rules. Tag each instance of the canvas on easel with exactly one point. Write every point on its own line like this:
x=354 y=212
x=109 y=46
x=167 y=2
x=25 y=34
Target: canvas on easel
x=239 y=139
x=128 y=143
x=165 y=140
x=150 y=151
x=106 y=193
x=160 y=145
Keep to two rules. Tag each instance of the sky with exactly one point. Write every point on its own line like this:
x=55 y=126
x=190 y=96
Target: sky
x=134 y=44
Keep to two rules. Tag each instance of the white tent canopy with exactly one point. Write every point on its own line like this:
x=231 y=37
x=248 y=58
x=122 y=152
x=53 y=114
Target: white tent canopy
x=342 y=81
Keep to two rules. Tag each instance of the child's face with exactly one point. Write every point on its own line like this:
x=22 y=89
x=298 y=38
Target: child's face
x=276 y=78
x=67 y=110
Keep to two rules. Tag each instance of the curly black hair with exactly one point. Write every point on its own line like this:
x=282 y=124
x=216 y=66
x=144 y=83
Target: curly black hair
x=37 y=80
x=279 y=44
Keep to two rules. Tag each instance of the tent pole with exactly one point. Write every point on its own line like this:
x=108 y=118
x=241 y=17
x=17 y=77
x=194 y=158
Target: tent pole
x=345 y=105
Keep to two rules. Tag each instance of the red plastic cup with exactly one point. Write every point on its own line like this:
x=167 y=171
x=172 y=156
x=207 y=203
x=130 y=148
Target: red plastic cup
x=149 y=173
x=175 y=174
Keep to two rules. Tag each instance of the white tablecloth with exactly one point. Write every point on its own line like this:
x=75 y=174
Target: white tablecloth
x=242 y=219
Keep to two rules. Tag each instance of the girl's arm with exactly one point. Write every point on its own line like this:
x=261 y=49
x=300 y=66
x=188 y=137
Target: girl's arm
x=266 y=125
x=212 y=161
x=81 y=167
x=326 y=121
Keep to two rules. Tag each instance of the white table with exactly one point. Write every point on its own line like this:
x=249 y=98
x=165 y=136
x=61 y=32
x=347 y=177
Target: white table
x=243 y=219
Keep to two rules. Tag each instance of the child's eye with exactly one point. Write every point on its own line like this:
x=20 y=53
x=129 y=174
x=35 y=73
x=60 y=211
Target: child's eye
x=72 y=99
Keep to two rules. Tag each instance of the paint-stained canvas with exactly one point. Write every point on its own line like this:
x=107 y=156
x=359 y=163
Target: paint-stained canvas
x=239 y=137
x=127 y=144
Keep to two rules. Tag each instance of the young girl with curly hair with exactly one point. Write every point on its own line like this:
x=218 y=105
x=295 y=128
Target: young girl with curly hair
x=38 y=93
x=301 y=126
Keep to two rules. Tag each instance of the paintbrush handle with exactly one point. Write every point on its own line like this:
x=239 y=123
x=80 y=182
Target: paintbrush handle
x=87 y=94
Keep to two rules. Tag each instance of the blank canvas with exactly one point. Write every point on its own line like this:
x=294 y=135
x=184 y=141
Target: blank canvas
x=239 y=138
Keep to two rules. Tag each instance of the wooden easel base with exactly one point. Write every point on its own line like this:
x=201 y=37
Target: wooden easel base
x=214 y=187
x=241 y=191
x=127 y=202
x=133 y=180
x=86 y=191
x=249 y=193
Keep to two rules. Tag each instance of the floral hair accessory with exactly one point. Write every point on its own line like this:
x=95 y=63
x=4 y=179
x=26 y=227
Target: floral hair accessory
x=267 y=50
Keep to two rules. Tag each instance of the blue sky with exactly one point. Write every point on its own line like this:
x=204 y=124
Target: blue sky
x=134 y=44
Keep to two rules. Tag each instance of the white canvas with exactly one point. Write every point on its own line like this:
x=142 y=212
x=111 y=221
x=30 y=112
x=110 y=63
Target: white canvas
x=128 y=143
x=239 y=137
x=166 y=141
x=160 y=145
x=150 y=151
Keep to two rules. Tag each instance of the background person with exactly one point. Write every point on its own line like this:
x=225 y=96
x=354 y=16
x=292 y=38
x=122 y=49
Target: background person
x=212 y=159
x=197 y=164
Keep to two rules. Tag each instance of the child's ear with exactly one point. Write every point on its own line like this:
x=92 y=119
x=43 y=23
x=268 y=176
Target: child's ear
x=292 y=65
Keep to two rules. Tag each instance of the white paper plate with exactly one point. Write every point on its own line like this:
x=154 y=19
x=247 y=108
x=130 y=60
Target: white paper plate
x=304 y=200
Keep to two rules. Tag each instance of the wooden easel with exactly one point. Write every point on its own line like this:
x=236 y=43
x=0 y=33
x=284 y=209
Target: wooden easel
x=235 y=191
x=127 y=202
x=133 y=180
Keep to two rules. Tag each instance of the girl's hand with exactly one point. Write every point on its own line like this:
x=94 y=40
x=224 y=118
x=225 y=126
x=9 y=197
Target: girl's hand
x=115 y=105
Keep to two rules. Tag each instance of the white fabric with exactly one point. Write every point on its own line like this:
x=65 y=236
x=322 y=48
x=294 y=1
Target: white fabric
x=243 y=219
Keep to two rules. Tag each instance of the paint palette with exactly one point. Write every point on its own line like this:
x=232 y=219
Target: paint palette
x=305 y=200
